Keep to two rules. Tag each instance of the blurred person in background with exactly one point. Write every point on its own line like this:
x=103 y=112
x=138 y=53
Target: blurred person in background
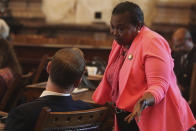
x=184 y=54
x=9 y=64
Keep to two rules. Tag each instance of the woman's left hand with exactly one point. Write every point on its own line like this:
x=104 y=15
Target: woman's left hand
x=144 y=102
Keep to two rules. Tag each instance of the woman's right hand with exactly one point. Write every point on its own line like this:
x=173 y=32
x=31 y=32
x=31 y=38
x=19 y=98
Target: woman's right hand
x=141 y=104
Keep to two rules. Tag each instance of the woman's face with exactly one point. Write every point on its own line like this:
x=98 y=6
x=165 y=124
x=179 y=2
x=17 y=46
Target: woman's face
x=122 y=30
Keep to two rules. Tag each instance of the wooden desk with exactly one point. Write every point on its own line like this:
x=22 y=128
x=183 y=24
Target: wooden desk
x=34 y=91
x=95 y=77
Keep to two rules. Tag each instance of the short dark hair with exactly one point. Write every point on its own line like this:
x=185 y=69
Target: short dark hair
x=135 y=12
x=67 y=66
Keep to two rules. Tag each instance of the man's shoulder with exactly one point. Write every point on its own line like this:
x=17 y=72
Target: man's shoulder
x=24 y=116
x=80 y=105
x=36 y=105
x=27 y=108
x=83 y=103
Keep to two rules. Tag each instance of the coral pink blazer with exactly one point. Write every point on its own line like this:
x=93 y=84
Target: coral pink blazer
x=149 y=70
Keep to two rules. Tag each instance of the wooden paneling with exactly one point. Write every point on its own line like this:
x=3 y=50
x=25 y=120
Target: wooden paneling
x=172 y=15
x=32 y=37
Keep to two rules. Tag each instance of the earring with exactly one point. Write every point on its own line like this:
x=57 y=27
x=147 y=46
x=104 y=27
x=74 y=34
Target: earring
x=138 y=31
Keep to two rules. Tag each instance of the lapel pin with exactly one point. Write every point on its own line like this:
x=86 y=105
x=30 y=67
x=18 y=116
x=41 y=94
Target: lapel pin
x=130 y=57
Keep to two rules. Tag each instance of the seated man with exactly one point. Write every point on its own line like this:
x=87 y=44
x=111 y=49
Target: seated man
x=65 y=71
x=184 y=53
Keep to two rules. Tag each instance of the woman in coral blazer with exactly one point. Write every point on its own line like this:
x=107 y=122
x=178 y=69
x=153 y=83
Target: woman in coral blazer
x=143 y=88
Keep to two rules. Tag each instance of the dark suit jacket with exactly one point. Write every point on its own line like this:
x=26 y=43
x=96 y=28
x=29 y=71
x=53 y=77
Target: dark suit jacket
x=24 y=117
x=184 y=71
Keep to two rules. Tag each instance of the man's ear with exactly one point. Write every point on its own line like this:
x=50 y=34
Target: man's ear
x=48 y=67
x=76 y=84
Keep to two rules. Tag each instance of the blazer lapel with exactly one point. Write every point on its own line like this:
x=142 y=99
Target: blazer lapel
x=128 y=64
x=102 y=95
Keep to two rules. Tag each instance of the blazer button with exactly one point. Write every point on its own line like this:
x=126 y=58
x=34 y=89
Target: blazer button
x=130 y=57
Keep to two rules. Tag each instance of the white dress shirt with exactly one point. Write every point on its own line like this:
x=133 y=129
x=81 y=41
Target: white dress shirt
x=47 y=93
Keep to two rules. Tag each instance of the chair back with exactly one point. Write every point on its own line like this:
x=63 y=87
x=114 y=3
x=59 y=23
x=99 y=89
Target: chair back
x=192 y=99
x=14 y=92
x=85 y=120
x=40 y=69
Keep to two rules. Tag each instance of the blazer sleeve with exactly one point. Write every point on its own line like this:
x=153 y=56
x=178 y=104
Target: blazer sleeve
x=158 y=67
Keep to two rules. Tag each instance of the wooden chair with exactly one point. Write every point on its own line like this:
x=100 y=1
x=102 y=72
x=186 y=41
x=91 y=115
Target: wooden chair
x=40 y=68
x=85 y=120
x=13 y=93
x=192 y=100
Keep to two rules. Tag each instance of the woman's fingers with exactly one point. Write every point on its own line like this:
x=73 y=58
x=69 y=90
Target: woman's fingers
x=127 y=117
x=130 y=117
x=142 y=107
x=139 y=107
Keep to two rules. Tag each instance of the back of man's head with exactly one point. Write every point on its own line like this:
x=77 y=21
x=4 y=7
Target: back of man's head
x=67 y=67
